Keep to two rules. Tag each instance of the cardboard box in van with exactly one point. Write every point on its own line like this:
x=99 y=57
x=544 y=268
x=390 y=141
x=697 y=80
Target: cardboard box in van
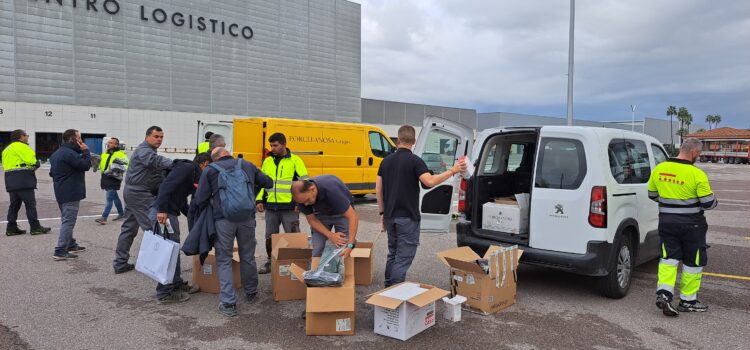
x=487 y=290
x=406 y=309
x=363 y=268
x=510 y=214
x=288 y=249
x=206 y=276
x=330 y=310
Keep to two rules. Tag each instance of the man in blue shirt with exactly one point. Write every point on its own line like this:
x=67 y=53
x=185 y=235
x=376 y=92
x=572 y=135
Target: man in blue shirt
x=327 y=204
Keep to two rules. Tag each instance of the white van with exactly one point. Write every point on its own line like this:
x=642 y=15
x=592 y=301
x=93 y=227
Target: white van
x=589 y=211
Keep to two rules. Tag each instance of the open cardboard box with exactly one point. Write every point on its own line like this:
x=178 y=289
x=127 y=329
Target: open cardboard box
x=330 y=310
x=487 y=293
x=288 y=249
x=363 y=267
x=402 y=319
x=206 y=276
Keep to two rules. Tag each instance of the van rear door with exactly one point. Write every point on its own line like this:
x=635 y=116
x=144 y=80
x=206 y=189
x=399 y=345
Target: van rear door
x=223 y=128
x=441 y=143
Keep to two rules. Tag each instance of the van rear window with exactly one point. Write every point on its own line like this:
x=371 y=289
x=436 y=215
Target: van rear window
x=561 y=164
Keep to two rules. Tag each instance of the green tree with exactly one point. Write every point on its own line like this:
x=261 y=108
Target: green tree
x=717 y=120
x=685 y=118
x=682 y=132
x=700 y=130
x=710 y=120
x=671 y=111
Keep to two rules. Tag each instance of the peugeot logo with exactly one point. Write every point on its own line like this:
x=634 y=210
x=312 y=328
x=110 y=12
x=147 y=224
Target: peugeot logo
x=559 y=209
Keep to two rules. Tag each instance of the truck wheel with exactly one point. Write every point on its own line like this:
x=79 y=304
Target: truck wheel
x=616 y=284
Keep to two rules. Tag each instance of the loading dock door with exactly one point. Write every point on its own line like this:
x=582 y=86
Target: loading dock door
x=46 y=144
x=94 y=142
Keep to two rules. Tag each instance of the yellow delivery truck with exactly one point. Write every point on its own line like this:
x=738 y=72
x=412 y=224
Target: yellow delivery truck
x=352 y=152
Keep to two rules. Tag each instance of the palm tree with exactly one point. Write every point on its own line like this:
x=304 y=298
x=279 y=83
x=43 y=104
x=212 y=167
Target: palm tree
x=709 y=119
x=717 y=120
x=671 y=111
x=682 y=116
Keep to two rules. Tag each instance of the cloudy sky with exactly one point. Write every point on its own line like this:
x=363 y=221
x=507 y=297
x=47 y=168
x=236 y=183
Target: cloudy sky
x=512 y=56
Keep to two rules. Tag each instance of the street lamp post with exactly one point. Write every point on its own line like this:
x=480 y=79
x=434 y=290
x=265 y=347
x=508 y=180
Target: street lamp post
x=570 y=62
x=632 y=117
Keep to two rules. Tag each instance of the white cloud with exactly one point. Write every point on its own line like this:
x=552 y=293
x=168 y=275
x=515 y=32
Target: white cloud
x=473 y=53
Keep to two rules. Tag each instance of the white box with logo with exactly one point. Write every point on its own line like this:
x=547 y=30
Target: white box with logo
x=509 y=214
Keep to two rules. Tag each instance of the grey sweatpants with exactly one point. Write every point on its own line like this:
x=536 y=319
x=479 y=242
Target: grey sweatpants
x=289 y=219
x=403 y=240
x=226 y=231
x=137 y=203
x=68 y=217
x=339 y=222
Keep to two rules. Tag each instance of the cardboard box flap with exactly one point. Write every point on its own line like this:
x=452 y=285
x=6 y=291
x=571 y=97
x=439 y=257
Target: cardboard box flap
x=460 y=253
x=330 y=299
x=288 y=240
x=429 y=296
x=297 y=271
x=510 y=260
x=285 y=253
x=386 y=302
x=361 y=252
x=468 y=266
x=361 y=244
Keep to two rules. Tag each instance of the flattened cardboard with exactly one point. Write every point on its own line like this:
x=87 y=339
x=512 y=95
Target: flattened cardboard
x=363 y=266
x=206 y=276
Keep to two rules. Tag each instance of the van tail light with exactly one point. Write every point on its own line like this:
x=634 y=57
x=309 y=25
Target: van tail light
x=462 y=196
x=598 y=211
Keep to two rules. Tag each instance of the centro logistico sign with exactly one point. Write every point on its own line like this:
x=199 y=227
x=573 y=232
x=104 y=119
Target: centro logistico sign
x=158 y=15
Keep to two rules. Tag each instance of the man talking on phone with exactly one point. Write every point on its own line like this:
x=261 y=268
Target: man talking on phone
x=68 y=166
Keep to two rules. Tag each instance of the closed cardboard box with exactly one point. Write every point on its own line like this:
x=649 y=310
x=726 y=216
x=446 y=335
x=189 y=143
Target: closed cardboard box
x=509 y=215
x=330 y=310
x=288 y=249
x=406 y=309
x=206 y=276
x=363 y=268
x=487 y=292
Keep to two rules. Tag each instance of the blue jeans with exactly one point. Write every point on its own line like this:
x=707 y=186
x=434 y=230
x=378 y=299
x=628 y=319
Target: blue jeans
x=68 y=217
x=112 y=198
x=403 y=240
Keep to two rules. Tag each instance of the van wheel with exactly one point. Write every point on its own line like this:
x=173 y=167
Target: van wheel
x=616 y=284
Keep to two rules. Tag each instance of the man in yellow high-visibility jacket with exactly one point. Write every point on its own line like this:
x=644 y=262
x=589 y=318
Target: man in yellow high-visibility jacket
x=20 y=164
x=683 y=193
x=112 y=178
x=283 y=167
x=204 y=146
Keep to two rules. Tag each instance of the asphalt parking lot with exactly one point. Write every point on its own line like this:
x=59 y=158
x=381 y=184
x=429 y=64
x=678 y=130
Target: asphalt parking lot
x=82 y=304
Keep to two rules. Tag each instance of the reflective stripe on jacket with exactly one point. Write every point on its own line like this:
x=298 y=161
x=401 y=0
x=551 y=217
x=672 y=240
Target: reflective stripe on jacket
x=682 y=190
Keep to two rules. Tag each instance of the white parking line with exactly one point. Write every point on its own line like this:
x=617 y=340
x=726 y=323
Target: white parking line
x=46 y=219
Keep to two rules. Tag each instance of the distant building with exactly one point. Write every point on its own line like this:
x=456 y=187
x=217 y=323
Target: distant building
x=727 y=145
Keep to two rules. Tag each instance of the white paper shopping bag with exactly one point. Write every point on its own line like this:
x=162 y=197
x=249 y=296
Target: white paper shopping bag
x=157 y=256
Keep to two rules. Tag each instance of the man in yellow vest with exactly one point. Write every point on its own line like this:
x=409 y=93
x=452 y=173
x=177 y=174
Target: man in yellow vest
x=20 y=164
x=683 y=193
x=113 y=165
x=203 y=146
x=283 y=168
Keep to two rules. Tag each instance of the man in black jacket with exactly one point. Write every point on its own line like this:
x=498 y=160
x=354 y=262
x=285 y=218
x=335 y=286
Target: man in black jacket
x=68 y=171
x=181 y=182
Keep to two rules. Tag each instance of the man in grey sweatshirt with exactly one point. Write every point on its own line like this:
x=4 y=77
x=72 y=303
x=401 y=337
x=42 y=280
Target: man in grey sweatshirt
x=145 y=173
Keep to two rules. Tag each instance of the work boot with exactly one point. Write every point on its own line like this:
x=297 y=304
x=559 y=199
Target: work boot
x=228 y=310
x=175 y=297
x=186 y=288
x=251 y=298
x=126 y=268
x=76 y=248
x=664 y=302
x=40 y=230
x=64 y=256
x=102 y=220
x=266 y=268
x=14 y=231
x=692 y=306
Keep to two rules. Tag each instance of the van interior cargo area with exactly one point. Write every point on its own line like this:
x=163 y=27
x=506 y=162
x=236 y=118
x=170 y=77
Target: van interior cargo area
x=506 y=168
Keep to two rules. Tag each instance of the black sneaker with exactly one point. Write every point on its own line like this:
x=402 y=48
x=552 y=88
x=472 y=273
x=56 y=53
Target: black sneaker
x=177 y=296
x=126 y=268
x=186 y=288
x=692 y=306
x=14 y=231
x=228 y=310
x=76 y=248
x=266 y=268
x=665 y=304
x=64 y=256
x=251 y=298
x=40 y=230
